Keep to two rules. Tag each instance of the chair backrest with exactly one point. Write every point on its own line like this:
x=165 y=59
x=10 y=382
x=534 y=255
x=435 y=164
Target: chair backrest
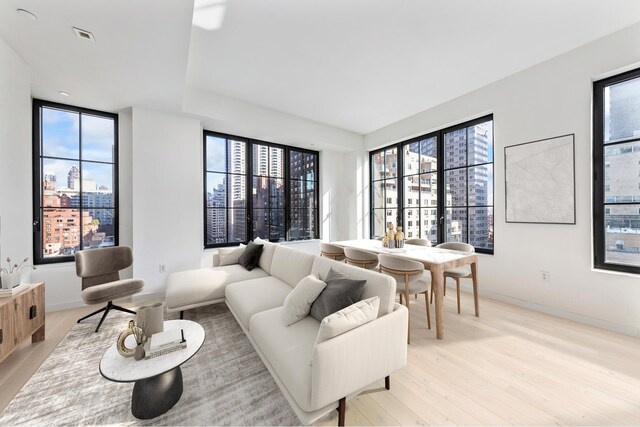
x=457 y=246
x=328 y=250
x=98 y=266
x=400 y=268
x=360 y=258
x=419 y=242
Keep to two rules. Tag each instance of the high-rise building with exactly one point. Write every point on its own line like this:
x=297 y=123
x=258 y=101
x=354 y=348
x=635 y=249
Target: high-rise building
x=73 y=178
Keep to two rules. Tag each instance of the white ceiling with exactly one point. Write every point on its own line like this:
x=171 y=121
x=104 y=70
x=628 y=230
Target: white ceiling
x=139 y=56
x=358 y=65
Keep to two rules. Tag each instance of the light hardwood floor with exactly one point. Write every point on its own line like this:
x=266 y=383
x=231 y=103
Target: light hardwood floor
x=511 y=366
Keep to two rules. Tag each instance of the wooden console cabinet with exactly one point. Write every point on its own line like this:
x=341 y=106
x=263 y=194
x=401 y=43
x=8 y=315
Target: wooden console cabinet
x=21 y=316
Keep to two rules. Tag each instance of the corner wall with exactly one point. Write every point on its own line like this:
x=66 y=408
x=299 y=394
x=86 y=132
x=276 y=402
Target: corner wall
x=550 y=99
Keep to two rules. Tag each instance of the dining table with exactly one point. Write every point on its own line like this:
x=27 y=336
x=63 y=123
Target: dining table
x=436 y=260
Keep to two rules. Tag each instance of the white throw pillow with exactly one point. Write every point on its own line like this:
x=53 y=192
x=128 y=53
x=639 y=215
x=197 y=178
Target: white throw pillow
x=230 y=256
x=298 y=303
x=348 y=318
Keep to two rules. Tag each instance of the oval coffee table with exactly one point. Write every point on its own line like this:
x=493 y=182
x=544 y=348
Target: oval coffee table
x=158 y=381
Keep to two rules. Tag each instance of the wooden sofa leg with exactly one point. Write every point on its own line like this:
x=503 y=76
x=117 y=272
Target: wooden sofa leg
x=181 y=314
x=387 y=382
x=342 y=407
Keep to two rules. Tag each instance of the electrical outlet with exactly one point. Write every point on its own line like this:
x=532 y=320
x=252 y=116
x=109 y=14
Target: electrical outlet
x=162 y=268
x=545 y=276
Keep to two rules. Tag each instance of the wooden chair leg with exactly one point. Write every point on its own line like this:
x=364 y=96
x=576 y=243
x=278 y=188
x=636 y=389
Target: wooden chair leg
x=416 y=295
x=444 y=287
x=342 y=408
x=431 y=302
x=387 y=382
x=406 y=297
x=426 y=300
x=401 y=299
x=458 y=292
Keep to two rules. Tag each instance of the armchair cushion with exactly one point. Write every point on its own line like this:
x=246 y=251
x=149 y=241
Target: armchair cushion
x=111 y=291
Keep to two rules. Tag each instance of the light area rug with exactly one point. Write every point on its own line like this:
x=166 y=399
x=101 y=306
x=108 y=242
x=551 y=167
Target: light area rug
x=225 y=383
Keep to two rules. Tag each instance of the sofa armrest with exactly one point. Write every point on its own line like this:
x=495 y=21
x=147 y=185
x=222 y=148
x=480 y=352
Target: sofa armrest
x=354 y=360
x=216 y=260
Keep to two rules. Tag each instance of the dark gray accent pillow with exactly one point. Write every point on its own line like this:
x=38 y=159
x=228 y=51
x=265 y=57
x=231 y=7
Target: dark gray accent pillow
x=251 y=256
x=341 y=291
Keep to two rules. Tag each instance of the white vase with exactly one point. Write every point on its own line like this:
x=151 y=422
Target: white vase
x=151 y=318
x=10 y=280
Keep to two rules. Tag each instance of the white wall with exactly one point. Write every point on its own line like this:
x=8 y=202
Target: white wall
x=550 y=99
x=167 y=191
x=15 y=156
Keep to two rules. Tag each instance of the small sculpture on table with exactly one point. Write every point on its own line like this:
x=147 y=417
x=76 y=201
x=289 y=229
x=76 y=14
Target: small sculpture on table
x=393 y=239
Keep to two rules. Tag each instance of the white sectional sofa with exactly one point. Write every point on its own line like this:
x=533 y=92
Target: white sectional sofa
x=315 y=378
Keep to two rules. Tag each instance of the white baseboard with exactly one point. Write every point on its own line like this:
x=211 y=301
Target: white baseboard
x=577 y=317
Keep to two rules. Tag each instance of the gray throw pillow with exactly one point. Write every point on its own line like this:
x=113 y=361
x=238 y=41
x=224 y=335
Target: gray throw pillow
x=251 y=256
x=341 y=291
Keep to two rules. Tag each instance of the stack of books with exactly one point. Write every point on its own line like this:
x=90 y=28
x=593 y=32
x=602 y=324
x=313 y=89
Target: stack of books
x=165 y=342
x=11 y=292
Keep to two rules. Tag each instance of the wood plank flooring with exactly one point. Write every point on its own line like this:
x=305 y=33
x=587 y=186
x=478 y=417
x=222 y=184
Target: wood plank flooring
x=512 y=366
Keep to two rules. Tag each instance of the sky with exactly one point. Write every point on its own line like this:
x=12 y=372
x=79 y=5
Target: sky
x=61 y=138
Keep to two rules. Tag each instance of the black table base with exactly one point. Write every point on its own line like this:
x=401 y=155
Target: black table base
x=154 y=396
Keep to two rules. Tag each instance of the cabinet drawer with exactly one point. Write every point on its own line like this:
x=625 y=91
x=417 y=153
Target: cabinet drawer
x=25 y=324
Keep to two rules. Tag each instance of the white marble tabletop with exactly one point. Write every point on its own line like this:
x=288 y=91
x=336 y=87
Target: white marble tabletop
x=116 y=368
x=424 y=254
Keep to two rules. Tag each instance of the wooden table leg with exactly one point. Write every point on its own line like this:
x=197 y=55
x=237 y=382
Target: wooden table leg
x=474 y=276
x=437 y=279
x=38 y=335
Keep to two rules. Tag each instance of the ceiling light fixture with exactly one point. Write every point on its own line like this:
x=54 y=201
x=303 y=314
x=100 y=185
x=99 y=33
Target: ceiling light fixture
x=27 y=14
x=63 y=93
x=83 y=34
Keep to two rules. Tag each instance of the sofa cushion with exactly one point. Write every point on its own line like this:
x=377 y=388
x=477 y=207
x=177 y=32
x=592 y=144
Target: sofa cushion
x=291 y=265
x=341 y=291
x=288 y=350
x=230 y=256
x=348 y=318
x=193 y=288
x=298 y=302
x=267 y=254
x=253 y=296
x=377 y=284
x=250 y=258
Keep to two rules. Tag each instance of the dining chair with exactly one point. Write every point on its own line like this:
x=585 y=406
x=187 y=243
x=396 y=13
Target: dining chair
x=410 y=279
x=418 y=242
x=463 y=272
x=334 y=252
x=360 y=258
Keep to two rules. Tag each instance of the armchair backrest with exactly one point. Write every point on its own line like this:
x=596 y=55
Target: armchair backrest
x=98 y=266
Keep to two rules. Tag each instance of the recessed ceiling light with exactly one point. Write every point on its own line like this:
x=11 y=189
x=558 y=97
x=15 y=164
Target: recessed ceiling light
x=27 y=14
x=83 y=34
x=63 y=93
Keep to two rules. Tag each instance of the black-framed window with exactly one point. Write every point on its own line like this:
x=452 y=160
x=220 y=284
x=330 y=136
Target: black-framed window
x=75 y=180
x=258 y=189
x=616 y=167
x=446 y=191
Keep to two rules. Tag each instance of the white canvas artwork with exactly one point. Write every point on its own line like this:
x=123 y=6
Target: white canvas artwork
x=540 y=181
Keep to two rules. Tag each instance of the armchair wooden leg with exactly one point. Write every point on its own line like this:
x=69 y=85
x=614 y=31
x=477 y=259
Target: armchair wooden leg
x=342 y=408
x=458 y=292
x=387 y=382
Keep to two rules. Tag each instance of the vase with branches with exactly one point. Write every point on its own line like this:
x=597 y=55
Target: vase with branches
x=11 y=274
